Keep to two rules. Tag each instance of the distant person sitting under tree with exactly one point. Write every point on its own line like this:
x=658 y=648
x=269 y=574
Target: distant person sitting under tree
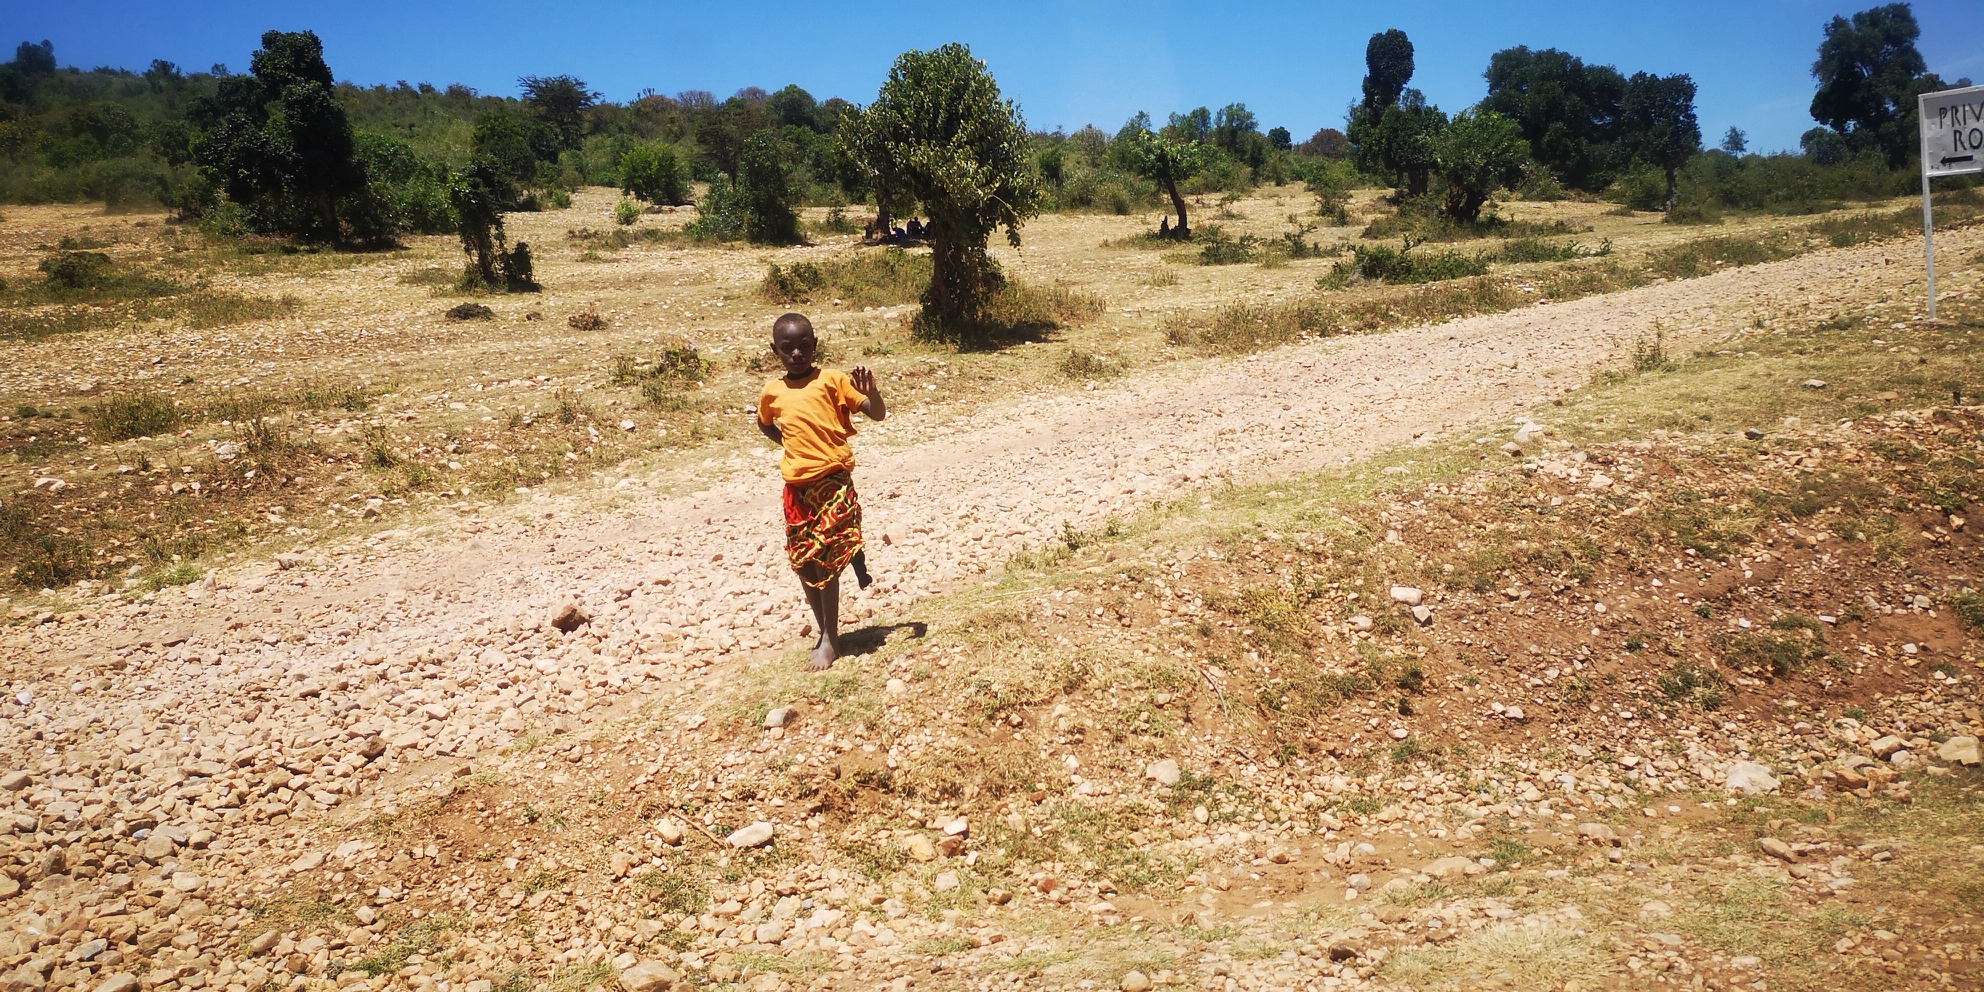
x=809 y=412
x=915 y=228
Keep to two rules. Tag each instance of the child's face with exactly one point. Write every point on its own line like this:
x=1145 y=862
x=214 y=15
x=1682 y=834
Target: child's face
x=794 y=348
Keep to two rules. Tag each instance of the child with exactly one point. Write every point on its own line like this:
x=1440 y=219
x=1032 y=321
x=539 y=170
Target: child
x=808 y=413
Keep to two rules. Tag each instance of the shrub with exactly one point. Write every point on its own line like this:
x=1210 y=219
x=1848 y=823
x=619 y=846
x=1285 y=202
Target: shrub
x=1083 y=365
x=469 y=311
x=721 y=215
x=625 y=213
x=1381 y=264
x=653 y=173
x=867 y=278
x=1218 y=249
x=121 y=418
x=588 y=319
x=77 y=271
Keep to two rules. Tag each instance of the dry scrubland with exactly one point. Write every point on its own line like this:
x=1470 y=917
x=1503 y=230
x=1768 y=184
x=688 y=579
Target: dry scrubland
x=1677 y=686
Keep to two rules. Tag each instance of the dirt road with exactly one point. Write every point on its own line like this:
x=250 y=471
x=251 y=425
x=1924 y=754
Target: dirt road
x=684 y=580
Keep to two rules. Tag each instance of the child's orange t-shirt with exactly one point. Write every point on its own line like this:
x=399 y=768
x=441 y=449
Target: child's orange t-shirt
x=816 y=418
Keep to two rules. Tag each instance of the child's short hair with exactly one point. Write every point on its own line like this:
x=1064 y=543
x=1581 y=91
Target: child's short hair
x=792 y=322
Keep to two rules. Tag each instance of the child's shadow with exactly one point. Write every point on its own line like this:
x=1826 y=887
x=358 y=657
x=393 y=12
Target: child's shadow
x=868 y=640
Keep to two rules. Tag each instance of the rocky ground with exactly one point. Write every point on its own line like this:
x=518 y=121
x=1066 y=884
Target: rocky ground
x=565 y=741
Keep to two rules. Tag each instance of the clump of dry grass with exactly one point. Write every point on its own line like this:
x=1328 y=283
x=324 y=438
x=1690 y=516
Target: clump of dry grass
x=867 y=278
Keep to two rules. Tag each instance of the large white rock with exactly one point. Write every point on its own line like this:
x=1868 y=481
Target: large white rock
x=1163 y=772
x=1407 y=595
x=756 y=835
x=1750 y=779
x=1962 y=750
x=648 y=976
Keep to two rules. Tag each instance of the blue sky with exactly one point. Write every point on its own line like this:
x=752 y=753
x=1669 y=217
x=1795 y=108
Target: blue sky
x=1068 y=63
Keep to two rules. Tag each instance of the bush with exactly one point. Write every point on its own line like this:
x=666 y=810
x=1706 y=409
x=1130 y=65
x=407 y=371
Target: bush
x=721 y=215
x=77 y=271
x=653 y=173
x=1380 y=263
x=121 y=418
x=625 y=213
x=866 y=279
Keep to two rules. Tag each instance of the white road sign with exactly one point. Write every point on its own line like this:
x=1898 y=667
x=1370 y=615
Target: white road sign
x=1952 y=131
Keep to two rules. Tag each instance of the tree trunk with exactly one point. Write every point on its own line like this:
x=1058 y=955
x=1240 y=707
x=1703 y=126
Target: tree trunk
x=1183 y=231
x=327 y=216
x=1673 y=191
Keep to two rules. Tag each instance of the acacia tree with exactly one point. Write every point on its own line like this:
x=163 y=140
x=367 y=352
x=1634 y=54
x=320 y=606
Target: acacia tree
x=1478 y=152
x=276 y=141
x=1657 y=117
x=561 y=103
x=1167 y=161
x=939 y=134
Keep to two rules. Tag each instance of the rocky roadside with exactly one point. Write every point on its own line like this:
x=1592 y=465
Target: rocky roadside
x=284 y=772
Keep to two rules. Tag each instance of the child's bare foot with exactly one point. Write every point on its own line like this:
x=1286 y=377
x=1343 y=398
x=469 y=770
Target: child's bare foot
x=822 y=658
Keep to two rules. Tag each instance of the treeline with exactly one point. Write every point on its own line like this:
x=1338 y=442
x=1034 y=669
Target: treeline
x=285 y=150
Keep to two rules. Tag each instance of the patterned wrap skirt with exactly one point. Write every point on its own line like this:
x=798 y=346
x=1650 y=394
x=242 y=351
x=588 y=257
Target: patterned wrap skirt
x=822 y=526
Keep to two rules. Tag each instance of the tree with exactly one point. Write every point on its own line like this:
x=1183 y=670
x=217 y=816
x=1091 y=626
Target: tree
x=1237 y=132
x=1387 y=68
x=1735 y=142
x=1657 y=118
x=1869 y=75
x=1279 y=139
x=478 y=195
x=1195 y=125
x=1391 y=130
x=513 y=143
x=794 y=107
x=561 y=103
x=31 y=59
x=277 y=142
x=1478 y=152
x=765 y=177
x=1403 y=141
x=650 y=171
x=938 y=133
x=1567 y=111
x=1168 y=161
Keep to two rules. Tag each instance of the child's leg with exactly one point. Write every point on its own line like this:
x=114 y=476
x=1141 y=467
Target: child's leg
x=825 y=603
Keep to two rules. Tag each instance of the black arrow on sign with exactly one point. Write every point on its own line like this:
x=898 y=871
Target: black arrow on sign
x=1949 y=159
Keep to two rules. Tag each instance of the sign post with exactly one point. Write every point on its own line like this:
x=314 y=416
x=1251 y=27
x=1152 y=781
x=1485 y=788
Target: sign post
x=1952 y=123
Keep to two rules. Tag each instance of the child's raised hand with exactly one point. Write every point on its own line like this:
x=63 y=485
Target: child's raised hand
x=864 y=380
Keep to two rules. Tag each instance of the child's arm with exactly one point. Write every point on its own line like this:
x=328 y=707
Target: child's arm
x=872 y=405
x=765 y=423
x=769 y=430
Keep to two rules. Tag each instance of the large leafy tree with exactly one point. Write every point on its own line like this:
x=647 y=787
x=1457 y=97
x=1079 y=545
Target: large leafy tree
x=1388 y=67
x=1869 y=74
x=939 y=134
x=277 y=143
x=1567 y=111
x=1478 y=152
x=1168 y=160
x=1657 y=117
x=1393 y=127
x=561 y=102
